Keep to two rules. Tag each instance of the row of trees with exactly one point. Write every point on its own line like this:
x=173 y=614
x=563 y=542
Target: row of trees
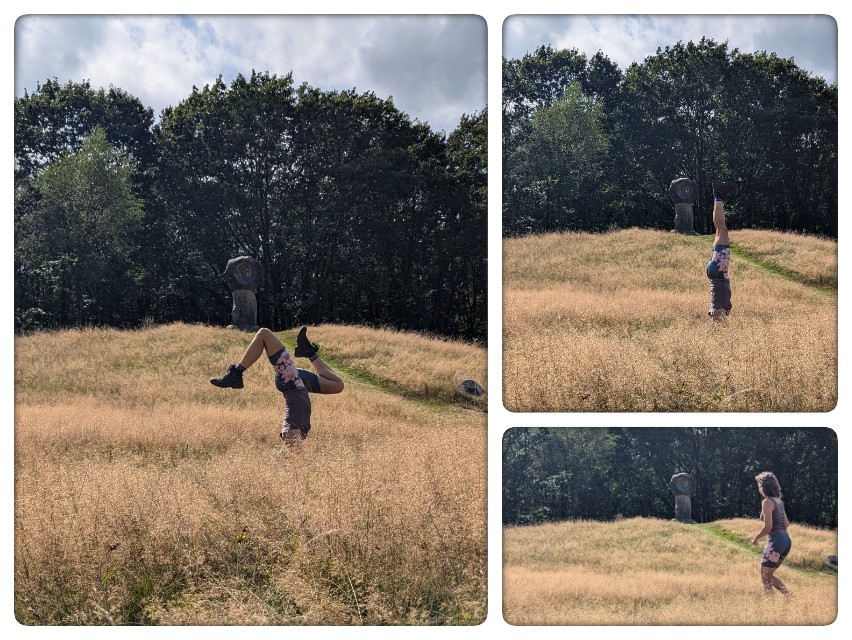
x=588 y=146
x=601 y=474
x=357 y=213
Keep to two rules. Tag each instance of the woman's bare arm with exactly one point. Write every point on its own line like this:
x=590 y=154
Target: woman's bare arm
x=766 y=510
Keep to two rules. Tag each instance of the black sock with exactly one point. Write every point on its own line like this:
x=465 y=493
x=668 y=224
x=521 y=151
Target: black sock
x=239 y=367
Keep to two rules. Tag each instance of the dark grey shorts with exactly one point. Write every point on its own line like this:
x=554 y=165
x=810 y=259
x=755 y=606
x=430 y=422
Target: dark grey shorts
x=720 y=295
x=308 y=378
x=776 y=549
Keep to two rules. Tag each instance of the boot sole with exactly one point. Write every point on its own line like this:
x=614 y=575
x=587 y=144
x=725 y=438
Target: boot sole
x=226 y=386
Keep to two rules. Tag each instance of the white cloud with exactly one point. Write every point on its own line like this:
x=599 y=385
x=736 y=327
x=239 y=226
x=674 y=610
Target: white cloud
x=810 y=40
x=434 y=67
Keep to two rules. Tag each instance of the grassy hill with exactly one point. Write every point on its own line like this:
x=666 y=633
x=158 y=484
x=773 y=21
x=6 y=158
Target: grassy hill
x=618 y=322
x=144 y=495
x=643 y=571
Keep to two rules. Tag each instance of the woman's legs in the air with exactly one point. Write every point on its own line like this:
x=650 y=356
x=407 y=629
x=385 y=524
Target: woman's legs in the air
x=719 y=223
x=329 y=381
x=264 y=341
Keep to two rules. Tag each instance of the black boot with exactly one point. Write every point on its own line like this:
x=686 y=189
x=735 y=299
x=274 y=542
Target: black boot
x=304 y=347
x=723 y=190
x=232 y=379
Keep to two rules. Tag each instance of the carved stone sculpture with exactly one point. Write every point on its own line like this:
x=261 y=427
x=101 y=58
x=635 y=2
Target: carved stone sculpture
x=243 y=275
x=683 y=485
x=682 y=191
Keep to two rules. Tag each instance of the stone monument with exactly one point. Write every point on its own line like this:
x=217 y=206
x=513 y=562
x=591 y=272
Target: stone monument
x=244 y=275
x=682 y=191
x=682 y=486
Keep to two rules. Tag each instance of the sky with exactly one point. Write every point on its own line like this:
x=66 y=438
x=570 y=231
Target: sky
x=434 y=67
x=811 y=40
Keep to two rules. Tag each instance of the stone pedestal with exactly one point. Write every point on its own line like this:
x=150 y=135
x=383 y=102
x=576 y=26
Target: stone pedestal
x=683 y=508
x=682 y=192
x=244 y=311
x=243 y=275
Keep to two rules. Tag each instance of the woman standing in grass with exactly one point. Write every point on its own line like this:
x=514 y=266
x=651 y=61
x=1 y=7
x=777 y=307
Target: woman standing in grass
x=293 y=383
x=717 y=268
x=775 y=525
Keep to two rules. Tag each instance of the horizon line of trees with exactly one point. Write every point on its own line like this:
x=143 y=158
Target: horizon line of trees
x=596 y=473
x=588 y=146
x=357 y=213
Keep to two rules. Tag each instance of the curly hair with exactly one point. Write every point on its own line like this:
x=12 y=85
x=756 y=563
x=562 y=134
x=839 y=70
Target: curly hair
x=768 y=485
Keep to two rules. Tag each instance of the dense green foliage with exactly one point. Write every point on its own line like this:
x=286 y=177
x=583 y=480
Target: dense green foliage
x=357 y=213
x=699 y=110
x=76 y=242
x=601 y=474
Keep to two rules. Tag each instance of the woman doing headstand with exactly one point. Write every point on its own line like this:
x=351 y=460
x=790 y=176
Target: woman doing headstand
x=717 y=268
x=293 y=383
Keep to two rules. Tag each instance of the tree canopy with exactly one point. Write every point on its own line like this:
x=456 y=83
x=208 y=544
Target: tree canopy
x=602 y=474
x=357 y=213
x=698 y=109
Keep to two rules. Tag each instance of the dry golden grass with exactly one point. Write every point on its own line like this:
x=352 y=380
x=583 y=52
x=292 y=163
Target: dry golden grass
x=813 y=258
x=650 y=572
x=429 y=369
x=145 y=495
x=618 y=322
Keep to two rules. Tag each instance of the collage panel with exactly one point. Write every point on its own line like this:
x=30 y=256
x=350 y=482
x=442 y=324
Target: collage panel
x=250 y=321
x=670 y=213
x=670 y=526
x=254 y=294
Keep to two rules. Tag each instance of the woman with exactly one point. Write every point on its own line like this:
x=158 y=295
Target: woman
x=293 y=383
x=717 y=268
x=775 y=525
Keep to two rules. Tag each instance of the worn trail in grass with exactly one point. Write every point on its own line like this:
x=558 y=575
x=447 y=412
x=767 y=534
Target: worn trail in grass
x=437 y=397
x=822 y=283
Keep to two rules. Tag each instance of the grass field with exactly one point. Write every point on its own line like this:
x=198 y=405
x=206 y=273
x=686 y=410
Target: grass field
x=144 y=495
x=618 y=322
x=642 y=571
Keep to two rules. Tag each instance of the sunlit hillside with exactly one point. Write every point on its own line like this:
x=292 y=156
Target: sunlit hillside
x=618 y=322
x=144 y=495
x=642 y=571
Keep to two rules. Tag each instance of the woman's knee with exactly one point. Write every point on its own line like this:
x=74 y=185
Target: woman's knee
x=268 y=337
x=329 y=386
